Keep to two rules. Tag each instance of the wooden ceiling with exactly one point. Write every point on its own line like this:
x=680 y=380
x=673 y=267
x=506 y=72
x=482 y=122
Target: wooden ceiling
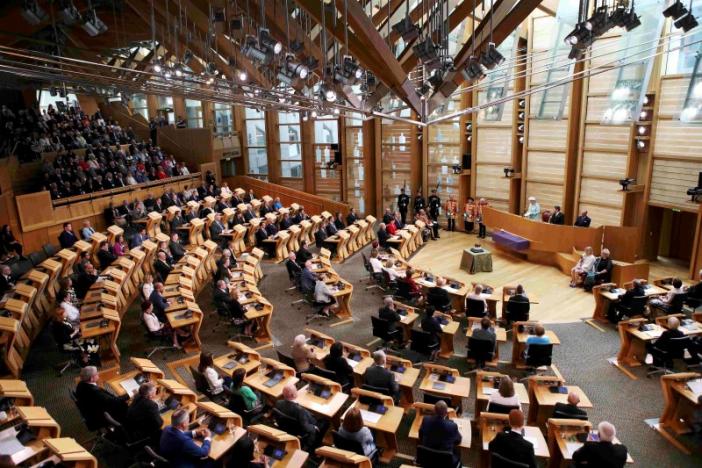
x=181 y=22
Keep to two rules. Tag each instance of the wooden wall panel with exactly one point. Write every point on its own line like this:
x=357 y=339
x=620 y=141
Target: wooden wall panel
x=293 y=183
x=546 y=166
x=547 y=195
x=602 y=215
x=547 y=134
x=604 y=51
x=670 y=182
x=492 y=185
x=672 y=96
x=597 y=164
x=607 y=137
x=603 y=82
x=605 y=192
x=495 y=145
x=675 y=138
x=542 y=36
x=35 y=210
x=596 y=107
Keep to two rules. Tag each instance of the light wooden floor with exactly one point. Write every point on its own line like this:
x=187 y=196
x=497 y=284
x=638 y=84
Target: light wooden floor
x=558 y=303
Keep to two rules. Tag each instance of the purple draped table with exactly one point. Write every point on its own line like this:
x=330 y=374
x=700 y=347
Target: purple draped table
x=509 y=241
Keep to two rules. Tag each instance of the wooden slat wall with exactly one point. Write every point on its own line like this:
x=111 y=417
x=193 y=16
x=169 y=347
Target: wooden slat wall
x=670 y=180
x=672 y=96
x=545 y=169
x=608 y=165
x=493 y=155
x=493 y=186
x=678 y=139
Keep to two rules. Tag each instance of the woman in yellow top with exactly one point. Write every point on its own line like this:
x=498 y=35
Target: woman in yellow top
x=451 y=209
x=469 y=215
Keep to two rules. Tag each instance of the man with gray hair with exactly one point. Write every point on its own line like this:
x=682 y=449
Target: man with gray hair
x=312 y=428
x=569 y=410
x=438 y=432
x=93 y=401
x=143 y=417
x=379 y=377
x=7 y=282
x=177 y=444
x=605 y=452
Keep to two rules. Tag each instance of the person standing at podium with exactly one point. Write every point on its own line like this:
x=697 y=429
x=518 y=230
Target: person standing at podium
x=533 y=210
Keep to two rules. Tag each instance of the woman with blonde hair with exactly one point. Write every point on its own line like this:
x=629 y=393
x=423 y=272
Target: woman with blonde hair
x=301 y=353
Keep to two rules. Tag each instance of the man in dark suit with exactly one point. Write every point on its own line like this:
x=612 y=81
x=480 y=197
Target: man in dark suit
x=351 y=217
x=177 y=443
x=105 y=257
x=664 y=343
x=621 y=308
x=331 y=229
x=225 y=302
x=303 y=254
x=261 y=237
x=308 y=279
x=569 y=410
x=378 y=376
x=511 y=444
x=67 y=238
x=438 y=432
x=177 y=222
x=271 y=229
x=319 y=237
x=603 y=453
x=583 y=220
x=216 y=229
x=161 y=265
x=432 y=325
x=85 y=280
x=383 y=236
x=389 y=313
x=313 y=430
x=94 y=401
x=249 y=214
x=7 y=282
x=438 y=296
x=143 y=417
x=160 y=303
x=293 y=268
x=557 y=217
x=176 y=247
x=285 y=222
x=138 y=238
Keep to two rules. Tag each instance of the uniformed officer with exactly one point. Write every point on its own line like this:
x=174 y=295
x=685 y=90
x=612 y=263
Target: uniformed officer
x=434 y=205
x=403 y=201
x=419 y=203
x=451 y=209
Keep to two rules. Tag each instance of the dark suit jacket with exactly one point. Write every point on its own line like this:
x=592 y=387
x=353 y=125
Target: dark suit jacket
x=294 y=269
x=383 y=237
x=159 y=302
x=271 y=230
x=215 y=231
x=302 y=256
x=438 y=297
x=380 y=377
x=606 y=265
x=331 y=229
x=663 y=342
x=163 y=269
x=601 y=455
x=432 y=325
x=144 y=420
x=307 y=280
x=67 y=239
x=557 y=218
x=632 y=293
x=106 y=258
x=83 y=283
x=261 y=236
x=319 y=237
x=391 y=316
x=285 y=223
x=6 y=284
x=514 y=447
x=224 y=300
x=177 y=222
x=176 y=249
x=350 y=219
x=567 y=411
x=94 y=401
x=136 y=240
x=344 y=372
x=439 y=434
x=303 y=417
x=180 y=449
x=582 y=221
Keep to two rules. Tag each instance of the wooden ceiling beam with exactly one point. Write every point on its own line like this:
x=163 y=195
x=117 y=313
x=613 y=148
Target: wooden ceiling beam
x=381 y=17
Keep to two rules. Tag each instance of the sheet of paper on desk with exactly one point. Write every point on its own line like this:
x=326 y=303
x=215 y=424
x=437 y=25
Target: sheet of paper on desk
x=130 y=386
x=371 y=417
x=654 y=333
x=485 y=296
x=9 y=445
x=572 y=447
x=351 y=362
x=532 y=440
x=695 y=386
x=489 y=390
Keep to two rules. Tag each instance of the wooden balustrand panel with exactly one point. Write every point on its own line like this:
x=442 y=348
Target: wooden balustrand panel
x=670 y=180
x=607 y=165
x=608 y=138
x=545 y=166
x=671 y=98
x=296 y=183
x=396 y=152
x=678 y=139
x=492 y=185
x=547 y=134
x=602 y=199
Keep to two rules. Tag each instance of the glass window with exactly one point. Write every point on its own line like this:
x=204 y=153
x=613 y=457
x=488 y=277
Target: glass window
x=355 y=163
x=140 y=106
x=290 y=146
x=58 y=102
x=326 y=131
x=326 y=146
x=165 y=105
x=193 y=112
x=291 y=169
x=223 y=118
x=255 y=123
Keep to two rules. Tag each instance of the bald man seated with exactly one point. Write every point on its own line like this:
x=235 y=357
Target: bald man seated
x=663 y=344
x=438 y=432
x=511 y=444
x=569 y=410
x=603 y=453
x=311 y=430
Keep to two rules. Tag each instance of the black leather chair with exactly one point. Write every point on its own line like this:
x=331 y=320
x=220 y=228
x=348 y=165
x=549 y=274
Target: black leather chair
x=432 y=399
x=499 y=461
x=517 y=311
x=539 y=355
x=430 y=458
x=475 y=308
x=423 y=343
x=371 y=388
x=481 y=351
x=634 y=308
x=121 y=437
x=381 y=329
x=285 y=359
x=37 y=257
x=49 y=250
x=675 y=306
x=354 y=446
x=403 y=292
x=563 y=415
x=664 y=359
x=203 y=387
x=500 y=409
x=155 y=460
x=237 y=405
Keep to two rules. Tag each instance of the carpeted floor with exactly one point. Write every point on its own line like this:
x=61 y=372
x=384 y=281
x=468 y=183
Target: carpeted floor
x=582 y=359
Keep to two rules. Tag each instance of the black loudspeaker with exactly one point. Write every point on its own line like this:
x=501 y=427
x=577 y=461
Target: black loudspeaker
x=466 y=161
x=337 y=157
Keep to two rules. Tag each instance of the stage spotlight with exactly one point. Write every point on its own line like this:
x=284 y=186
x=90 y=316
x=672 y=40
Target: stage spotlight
x=178 y=70
x=253 y=51
x=640 y=144
x=92 y=24
x=407 y=29
x=243 y=76
x=157 y=67
x=352 y=71
x=632 y=21
x=473 y=71
x=187 y=56
x=314 y=114
x=296 y=68
x=597 y=24
x=491 y=57
x=686 y=22
x=33 y=13
x=426 y=53
x=285 y=76
x=327 y=92
x=436 y=78
x=69 y=13
x=267 y=41
x=580 y=36
x=675 y=10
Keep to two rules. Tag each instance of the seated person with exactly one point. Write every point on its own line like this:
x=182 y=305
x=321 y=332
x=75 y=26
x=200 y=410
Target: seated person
x=570 y=409
x=320 y=236
x=176 y=247
x=214 y=380
x=383 y=236
x=432 y=325
x=159 y=301
x=389 y=313
x=331 y=228
x=95 y=401
x=7 y=282
x=511 y=444
x=476 y=295
x=667 y=302
x=413 y=289
x=85 y=280
x=485 y=331
x=177 y=444
x=293 y=268
x=105 y=256
x=228 y=303
x=539 y=336
x=337 y=363
x=71 y=311
x=604 y=452
x=238 y=388
x=389 y=268
x=505 y=395
x=695 y=291
x=584 y=266
x=352 y=428
x=519 y=297
x=438 y=432
x=156 y=327
x=144 y=420
x=391 y=227
x=312 y=429
x=439 y=297
x=339 y=221
x=603 y=267
x=375 y=262
x=351 y=217
x=161 y=265
x=308 y=279
x=663 y=343
x=381 y=378
x=303 y=254
x=285 y=222
x=243 y=454
x=261 y=238
x=301 y=353
x=622 y=307
x=324 y=297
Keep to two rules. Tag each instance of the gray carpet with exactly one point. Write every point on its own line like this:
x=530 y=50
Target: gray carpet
x=582 y=360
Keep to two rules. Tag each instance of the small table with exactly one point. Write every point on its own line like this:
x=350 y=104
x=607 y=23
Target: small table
x=474 y=262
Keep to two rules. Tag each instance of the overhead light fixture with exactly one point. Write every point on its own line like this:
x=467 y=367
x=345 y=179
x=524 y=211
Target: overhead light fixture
x=178 y=70
x=218 y=15
x=327 y=92
x=69 y=13
x=296 y=68
x=640 y=144
x=252 y=50
x=211 y=68
x=580 y=36
x=675 y=10
x=633 y=21
x=491 y=57
x=167 y=74
x=351 y=70
x=33 y=13
x=426 y=52
x=158 y=68
x=687 y=22
x=598 y=23
x=187 y=56
x=436 y=78
x=243 y=76
x=509 y=171
x=336 y=111
x=285 y=76
x=314 y=114
x=92 y=24
x=406 y=29
x=266 y=40
x=473 y=70
x=576 y=53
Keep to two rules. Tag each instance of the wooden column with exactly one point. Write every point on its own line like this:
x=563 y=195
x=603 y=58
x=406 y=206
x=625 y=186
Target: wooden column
x=179 y=108
x=572 y=159
x=370 y=172
x=152 y=104
x=378 y=159
x=308 y=164
x=273 y=146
